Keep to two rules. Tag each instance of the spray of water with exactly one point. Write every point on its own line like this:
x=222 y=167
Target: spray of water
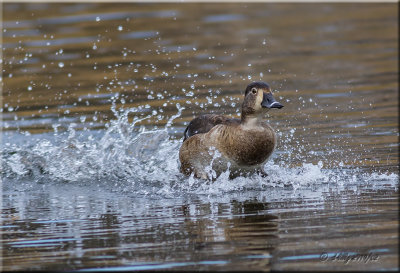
x=147 y=163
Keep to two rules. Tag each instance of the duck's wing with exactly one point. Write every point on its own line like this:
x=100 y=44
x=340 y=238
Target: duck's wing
x=205 y=123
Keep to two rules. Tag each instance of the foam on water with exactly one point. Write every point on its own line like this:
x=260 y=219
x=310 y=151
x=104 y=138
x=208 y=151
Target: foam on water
x=147 y=163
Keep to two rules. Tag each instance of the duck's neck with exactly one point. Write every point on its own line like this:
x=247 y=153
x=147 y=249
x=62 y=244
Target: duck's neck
x=251 y=121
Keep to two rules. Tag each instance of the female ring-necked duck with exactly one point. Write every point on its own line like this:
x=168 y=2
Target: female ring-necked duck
x=242 y=145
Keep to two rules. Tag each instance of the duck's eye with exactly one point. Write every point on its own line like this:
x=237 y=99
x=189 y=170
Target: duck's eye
x=254 y=91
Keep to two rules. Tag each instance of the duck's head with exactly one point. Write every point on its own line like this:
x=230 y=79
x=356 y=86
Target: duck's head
x=258 y=99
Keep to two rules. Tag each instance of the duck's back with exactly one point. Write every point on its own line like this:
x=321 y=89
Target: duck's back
x=205 y=123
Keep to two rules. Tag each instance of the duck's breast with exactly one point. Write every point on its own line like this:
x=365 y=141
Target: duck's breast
x=246 y=146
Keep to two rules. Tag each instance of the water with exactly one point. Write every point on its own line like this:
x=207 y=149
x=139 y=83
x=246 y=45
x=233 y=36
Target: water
x=96 y=98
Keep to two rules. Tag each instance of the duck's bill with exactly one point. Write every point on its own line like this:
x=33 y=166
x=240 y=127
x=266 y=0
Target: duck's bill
x=270 y=102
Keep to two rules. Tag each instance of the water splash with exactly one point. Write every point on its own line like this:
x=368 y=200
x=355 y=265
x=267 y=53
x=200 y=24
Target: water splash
x=127 y=158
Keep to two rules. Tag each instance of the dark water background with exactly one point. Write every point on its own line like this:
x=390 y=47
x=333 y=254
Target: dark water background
x=95 y=98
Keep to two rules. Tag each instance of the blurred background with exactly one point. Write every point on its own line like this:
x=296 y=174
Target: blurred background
x=333 y=66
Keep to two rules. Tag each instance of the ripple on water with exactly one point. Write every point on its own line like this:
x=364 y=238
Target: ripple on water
x=138 y=35
x=61 y=20
x=223 y=18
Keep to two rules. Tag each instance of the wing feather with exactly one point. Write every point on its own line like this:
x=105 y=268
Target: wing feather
x=205 y=123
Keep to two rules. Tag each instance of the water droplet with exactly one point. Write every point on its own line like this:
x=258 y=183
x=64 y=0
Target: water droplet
x=61 y=64
x=120 y=28
x=264 y=42
x=97 y=19
x=249 y=65
x=69 y=75
x=29 y=88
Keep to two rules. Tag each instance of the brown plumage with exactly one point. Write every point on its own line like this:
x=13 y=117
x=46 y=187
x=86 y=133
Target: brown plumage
x=205 y=123
x=219 y=142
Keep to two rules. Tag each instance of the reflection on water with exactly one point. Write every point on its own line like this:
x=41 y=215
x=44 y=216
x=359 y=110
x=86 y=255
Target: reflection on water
x=95 y=100
x=77 y=227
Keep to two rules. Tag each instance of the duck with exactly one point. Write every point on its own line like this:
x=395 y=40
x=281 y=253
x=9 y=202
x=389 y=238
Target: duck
x=213 y=144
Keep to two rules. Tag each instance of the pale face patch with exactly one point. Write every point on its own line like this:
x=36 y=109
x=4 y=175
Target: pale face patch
x=259 y=100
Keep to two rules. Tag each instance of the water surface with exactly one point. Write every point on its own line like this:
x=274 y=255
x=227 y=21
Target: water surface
x=96 y=98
